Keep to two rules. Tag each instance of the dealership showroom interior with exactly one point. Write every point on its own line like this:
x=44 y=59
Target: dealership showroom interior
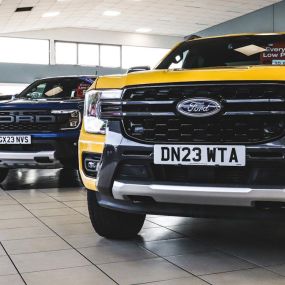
x=142 y=142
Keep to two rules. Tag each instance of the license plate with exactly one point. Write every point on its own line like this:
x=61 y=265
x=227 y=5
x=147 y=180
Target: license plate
x=222 y=155
x=15 y=140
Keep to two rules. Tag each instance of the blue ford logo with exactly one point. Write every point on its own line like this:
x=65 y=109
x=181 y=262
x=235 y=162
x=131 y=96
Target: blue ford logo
x=199 y=107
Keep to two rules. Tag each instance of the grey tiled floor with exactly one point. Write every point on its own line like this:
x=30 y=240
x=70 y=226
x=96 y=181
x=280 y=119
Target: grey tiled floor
x=46 y=238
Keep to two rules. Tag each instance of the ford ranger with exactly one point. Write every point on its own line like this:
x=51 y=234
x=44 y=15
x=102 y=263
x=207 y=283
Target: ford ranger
x=201 y=135
x=39 y=128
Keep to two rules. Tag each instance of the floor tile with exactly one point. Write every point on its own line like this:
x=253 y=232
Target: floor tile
x=91 y=240
x=48 y=260
x=142 y=271
x=23 y=233
x=63 y=220
x=11 y=280
x=6 y=266
x=15 y=215
x=175 y=246
x=183 y=281
x=73 y=229
x=83 y=210
x=8 y=201
x=260 y=254
x=2 y=251
x=149 y=225
x=86 y=275
x=74 y=204
x=246 y=277
x=40 y=206
x=209 y=262
x=34 y=245
x=170 y=221
x=19 y=223
x=5 y=208
x=108 y=254
x=53 y=212
x=279 y=269
x=157 y=234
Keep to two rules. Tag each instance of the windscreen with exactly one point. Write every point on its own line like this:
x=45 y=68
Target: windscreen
x=227 y=52
x=58 y=88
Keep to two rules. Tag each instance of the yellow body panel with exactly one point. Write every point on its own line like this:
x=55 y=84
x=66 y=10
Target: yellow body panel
x=89 y=143
x=250 y=73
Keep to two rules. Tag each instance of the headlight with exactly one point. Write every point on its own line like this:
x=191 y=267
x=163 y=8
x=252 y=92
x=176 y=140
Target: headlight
x=68 y=119
x=92 y=124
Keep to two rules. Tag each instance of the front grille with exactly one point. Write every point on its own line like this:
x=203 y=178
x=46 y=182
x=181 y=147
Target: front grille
x=251 y=113
x=8 y=121
x=27 y=127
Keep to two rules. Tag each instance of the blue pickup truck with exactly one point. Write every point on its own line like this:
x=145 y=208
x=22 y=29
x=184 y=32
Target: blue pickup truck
x=39 y=128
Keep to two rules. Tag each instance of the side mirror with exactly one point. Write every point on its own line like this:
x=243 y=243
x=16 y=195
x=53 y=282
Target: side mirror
x=13 y=97
x=138 y=68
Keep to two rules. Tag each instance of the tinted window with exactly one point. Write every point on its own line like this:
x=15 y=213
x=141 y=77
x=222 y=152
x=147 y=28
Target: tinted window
x=228 y=52
x=60 y=88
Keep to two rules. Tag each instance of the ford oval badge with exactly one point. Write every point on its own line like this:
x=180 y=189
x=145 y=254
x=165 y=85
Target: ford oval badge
x=199 y=107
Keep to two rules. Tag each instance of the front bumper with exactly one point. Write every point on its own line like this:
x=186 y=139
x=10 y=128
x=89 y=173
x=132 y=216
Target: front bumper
x=49 y=150
x=261 y=181
x=219 y=196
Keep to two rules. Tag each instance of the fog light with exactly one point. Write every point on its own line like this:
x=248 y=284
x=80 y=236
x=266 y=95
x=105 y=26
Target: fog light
x=91 y=164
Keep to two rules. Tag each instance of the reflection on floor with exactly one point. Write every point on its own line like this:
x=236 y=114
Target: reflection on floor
x=46 y=238
x=43 y=178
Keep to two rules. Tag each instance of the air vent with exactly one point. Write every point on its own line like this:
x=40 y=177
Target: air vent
x=24 y=9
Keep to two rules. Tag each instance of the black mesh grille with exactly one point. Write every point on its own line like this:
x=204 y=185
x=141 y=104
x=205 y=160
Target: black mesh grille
x=7 y=126
x=251 y=113
x=27 y=127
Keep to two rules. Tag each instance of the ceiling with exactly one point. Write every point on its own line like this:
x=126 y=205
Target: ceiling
x=163 y=17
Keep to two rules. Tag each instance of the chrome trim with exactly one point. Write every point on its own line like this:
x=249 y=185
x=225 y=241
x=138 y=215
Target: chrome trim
x=254 y=113
x=246 y=101
x=27 y=159
x=220 y=196
x=164 y=102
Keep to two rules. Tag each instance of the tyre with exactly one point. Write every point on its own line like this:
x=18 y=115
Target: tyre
x=3 y=174
x=113 y=224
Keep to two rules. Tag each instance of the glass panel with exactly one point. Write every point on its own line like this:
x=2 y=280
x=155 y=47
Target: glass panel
x=58 y=88
x=65 y=53
x=110 y=56
x=16 y=50
x=135 y=56
x=88 y=54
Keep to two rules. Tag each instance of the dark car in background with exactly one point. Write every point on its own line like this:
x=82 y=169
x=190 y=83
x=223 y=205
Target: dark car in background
x=39 y=128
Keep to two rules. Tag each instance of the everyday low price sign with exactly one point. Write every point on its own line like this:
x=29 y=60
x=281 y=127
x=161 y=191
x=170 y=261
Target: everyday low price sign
x=274 y=54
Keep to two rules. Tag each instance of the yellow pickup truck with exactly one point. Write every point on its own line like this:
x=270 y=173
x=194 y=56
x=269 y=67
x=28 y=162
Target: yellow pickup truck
x=201 y=135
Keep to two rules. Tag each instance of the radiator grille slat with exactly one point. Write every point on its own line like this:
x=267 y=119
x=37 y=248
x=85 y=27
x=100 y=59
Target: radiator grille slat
x=251 y=113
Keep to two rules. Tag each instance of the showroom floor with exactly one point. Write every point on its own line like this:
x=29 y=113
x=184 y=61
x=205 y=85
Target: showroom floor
x=46 y=238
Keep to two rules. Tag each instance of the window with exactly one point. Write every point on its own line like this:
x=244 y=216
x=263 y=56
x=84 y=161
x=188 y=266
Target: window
x=16 y=50
x=58 y=88
x=228 y=52
x=65 y=53
x=88 y=54
x=110 y=56
x=135 y=56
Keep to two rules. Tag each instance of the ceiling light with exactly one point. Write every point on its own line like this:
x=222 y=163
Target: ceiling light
x=23 y=9
x=143 y=30
x=112 y=13
x=50 y=14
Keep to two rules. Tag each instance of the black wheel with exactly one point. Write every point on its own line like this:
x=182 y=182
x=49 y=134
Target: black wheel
x=3 y=174
x=113 y=224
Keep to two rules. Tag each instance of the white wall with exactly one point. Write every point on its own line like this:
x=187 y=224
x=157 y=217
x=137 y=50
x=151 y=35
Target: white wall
x=105 y=37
